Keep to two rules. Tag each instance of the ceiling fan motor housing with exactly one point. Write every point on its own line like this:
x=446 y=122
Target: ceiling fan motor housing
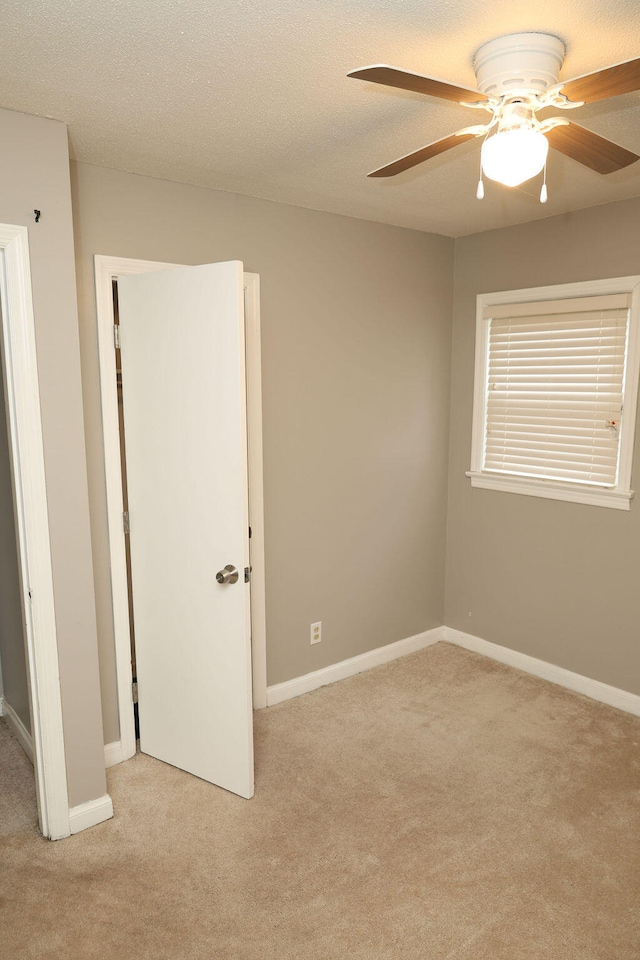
x=520 y=62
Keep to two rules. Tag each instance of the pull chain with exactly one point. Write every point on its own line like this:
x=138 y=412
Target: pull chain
x=543 y=191
x=480 y=189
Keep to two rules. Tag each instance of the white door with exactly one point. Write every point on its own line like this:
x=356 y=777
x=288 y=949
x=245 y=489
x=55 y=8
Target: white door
x=183 y=382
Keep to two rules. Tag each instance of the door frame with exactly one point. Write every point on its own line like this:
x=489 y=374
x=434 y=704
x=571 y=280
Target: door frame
x=107 y=269
x=32 y=526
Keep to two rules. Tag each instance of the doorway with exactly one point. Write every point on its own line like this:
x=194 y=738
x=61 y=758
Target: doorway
x=24 y=430
x=18 y=807
x=107 y=272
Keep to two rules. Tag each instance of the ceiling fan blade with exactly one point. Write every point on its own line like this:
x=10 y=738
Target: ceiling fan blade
x=611 y=82
x=416 y=83
x=588 y=148
x=419 y=156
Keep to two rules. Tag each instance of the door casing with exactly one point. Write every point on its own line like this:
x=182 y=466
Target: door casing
x=107 y=269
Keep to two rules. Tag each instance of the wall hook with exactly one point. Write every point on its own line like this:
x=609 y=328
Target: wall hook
x=37 y=213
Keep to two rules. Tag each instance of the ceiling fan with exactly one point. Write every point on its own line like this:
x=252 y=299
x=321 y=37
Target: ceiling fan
x=517 y=78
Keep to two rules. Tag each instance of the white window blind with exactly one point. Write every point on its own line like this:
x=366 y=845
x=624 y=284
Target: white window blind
x=554 y=389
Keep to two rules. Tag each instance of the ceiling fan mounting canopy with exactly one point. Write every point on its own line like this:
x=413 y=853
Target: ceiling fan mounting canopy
x=517 y=75
x=519 y=61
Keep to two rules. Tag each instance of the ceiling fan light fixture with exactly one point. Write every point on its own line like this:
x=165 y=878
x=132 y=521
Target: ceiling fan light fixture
x=512 y=156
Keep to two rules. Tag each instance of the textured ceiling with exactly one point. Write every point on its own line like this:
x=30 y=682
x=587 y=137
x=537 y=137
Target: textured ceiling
x=253 y=97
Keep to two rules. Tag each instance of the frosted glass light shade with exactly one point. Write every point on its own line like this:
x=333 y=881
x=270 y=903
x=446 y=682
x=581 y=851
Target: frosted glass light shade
x=513 y=156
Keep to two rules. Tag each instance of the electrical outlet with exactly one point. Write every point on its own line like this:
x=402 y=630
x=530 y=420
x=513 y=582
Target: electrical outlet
x=316 y=632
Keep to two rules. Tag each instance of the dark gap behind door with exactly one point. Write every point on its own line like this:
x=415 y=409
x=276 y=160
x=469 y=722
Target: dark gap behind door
x=125 y=508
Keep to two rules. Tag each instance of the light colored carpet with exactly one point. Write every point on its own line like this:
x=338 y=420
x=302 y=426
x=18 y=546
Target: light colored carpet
x=442 y=807
x=18 y=811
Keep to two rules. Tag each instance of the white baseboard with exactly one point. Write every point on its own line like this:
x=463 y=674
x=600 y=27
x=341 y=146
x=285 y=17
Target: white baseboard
x=90 y=813
x=613 y=696
x=113 y=753
x=348 y=668
x=18 y=728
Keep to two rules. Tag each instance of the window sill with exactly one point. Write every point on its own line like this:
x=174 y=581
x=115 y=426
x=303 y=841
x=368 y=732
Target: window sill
x=552 y=490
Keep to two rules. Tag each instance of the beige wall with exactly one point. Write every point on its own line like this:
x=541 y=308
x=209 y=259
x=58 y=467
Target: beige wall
x=558 y=581
x=13 y=672
x=356 y=355
x=34 y=173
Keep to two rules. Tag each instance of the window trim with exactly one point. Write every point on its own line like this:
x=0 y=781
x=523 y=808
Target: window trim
x=618 y=497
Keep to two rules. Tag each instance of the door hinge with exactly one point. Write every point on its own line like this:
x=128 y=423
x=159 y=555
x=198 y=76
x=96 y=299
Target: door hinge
x=116 y=336
x=247 y=574
x=125 y=522
x=134 y=690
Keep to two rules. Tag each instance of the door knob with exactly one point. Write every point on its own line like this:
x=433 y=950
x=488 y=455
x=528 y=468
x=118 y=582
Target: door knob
x=228 y=575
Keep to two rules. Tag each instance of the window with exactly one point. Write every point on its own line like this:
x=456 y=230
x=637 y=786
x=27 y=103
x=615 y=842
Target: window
x=556 y=386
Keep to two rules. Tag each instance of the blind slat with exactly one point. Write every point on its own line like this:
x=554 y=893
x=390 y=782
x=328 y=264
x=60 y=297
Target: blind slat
x=588 y=323
x=534 y=408
x=573 y=428
x=565 y=366
x=588 y=444
x=551 y=457
x=557 y=378
x=569 y=438
x=559 y=391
